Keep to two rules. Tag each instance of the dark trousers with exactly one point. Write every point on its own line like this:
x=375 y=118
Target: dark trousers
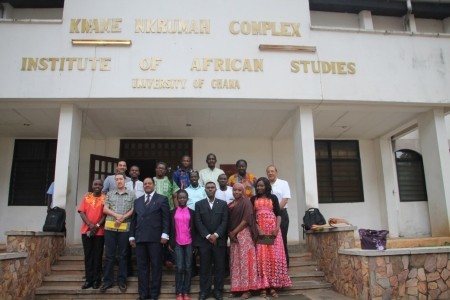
x=93 y=256
x=284 y=226
x=183 y=266
x=113 y=240
x=149 y=254
x=212 y=255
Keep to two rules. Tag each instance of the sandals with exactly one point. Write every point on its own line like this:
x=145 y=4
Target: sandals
x=263 y=294
x=245 y=295
x=273 y=293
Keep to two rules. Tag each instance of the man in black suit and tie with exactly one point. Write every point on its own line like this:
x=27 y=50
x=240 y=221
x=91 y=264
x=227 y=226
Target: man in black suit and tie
x=211 y=220
x=148 y=232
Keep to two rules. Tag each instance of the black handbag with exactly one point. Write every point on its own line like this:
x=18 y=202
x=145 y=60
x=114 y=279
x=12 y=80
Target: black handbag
x=55 y=220
x=266 y=239
x=373 y=239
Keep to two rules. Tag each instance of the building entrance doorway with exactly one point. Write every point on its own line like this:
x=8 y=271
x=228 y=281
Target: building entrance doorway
x=147 y=153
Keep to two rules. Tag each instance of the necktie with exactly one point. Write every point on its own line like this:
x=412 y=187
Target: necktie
x=147 y=200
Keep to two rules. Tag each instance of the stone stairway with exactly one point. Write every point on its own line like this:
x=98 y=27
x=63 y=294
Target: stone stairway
x=66 y=278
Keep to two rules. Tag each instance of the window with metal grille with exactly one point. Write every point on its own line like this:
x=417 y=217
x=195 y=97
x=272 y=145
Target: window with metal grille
x=410 y=176
x=339 y=178
x=32 y=172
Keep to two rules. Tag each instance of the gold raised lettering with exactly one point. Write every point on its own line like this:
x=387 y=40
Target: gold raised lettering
x=65 y=63
x=288 y=29
x=95 y=25
x=172 y=26
x=323 y=67
x=227 y=64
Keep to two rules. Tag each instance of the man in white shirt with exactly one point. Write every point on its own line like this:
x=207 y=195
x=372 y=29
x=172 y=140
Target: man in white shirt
x=135 y=184
x=211 y=172
x=224 y=192
x=280 y=188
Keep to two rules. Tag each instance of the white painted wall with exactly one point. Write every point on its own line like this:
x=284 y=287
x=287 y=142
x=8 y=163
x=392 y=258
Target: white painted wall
x=35 y=13
x=332 y=19
x=15 y=217
x=363 y=214
x=430 y=25
x=410 y=68
x=388 y=23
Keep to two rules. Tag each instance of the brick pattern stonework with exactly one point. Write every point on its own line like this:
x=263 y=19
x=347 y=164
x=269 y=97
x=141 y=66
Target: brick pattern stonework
x=19 y=277
x=391 y=275
x=324 y=246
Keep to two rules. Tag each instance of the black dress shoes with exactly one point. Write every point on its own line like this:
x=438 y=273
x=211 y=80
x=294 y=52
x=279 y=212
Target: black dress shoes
x=218 y=296
x=123 y=287
x=202 y=297
x=96 y=285
x=86 y=285
x=105 y=286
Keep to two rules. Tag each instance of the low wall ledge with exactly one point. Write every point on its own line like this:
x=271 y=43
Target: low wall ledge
x=333 y=229
x=33 y=233
x=395 y=251
x=14 y=255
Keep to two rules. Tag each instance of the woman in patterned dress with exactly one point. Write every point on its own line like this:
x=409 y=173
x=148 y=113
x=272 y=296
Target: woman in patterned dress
x=270 y=259
x=242 y=233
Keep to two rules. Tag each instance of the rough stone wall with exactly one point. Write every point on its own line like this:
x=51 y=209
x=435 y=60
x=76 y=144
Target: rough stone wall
x=416 y=276
x=20 y=277
x=338 y=271
x=411 y=276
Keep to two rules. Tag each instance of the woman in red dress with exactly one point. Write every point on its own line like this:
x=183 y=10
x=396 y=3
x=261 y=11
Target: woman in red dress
x=270 y=259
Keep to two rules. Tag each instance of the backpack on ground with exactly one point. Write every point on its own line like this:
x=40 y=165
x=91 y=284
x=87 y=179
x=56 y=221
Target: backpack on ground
x=313 y=217
x=55 y=220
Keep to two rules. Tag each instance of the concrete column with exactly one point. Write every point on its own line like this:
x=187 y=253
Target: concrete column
x=8 y=11
x=305 y=161
x=365 y=20
x=66 y=168
x=410 y=23
x=390 y=200
x=436 y=160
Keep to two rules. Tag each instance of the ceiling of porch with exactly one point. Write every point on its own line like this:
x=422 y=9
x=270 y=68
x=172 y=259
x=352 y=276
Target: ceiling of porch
x=188 y=119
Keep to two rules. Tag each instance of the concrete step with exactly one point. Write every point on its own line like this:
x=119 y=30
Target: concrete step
x=66 y=279
x=167 y=291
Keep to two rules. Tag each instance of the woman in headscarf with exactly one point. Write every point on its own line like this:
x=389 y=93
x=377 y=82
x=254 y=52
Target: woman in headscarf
x=270 y=256
x=242 y=234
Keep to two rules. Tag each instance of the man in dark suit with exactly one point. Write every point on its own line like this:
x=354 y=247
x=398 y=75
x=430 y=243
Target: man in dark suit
x=211 y=218
x=148 y=232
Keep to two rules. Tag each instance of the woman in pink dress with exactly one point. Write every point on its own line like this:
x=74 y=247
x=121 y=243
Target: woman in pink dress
x=242 y=233
x=270 y=258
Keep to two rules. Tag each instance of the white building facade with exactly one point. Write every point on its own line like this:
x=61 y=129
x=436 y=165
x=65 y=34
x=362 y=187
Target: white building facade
x=326 y=96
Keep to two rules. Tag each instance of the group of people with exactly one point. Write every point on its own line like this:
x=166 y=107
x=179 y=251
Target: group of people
x=197 y=213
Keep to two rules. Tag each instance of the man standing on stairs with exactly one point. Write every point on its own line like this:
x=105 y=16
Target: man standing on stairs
x=280 y=188
x=211 y=220
x=119 y=209
x=148 y=233
x=92 y=231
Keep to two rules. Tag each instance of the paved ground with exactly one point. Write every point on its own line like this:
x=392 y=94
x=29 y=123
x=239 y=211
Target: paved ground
x=316 y=294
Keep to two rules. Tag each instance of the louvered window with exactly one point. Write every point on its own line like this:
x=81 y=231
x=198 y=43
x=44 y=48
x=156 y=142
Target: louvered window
x=32 y=172
x=410 y=176
x=339 y=178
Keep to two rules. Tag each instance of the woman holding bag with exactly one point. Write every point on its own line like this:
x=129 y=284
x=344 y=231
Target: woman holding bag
x=270 y=254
